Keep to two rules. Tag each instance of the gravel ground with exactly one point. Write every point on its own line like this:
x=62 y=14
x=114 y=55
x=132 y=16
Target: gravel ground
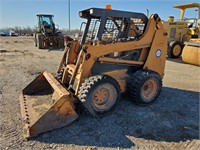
x=172 y=122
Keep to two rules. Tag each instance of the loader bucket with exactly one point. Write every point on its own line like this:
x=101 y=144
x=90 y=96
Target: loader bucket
x=45 y=105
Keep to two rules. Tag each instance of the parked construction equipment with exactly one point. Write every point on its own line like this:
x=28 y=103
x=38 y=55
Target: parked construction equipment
x=119 y=52
x=182 y=30
x=47 y=36
x=191 y=52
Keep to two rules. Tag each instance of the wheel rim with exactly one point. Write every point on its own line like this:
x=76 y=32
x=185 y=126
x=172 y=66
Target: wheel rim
x=149 y=90
x=177 y=50
x=104 y=97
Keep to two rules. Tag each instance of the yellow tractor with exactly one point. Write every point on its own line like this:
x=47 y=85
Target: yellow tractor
x=191 y=50
x=182 y=30
x=119 y=52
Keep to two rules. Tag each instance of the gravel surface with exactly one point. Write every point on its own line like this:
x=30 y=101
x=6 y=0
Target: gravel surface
x=172 y=122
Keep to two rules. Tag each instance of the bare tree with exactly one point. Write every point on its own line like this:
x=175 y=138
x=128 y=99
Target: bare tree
x=30 y=30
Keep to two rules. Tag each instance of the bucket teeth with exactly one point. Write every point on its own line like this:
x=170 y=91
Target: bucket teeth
x=26 y=119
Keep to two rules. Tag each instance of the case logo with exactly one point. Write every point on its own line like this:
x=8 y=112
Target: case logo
x=158 y=53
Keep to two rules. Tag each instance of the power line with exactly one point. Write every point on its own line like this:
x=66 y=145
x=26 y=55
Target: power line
x=69 y=13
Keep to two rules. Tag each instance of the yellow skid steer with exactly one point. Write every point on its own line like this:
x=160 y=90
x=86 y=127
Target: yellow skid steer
x=118 y=52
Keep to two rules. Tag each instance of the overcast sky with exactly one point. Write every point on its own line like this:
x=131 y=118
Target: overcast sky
x=23 y=12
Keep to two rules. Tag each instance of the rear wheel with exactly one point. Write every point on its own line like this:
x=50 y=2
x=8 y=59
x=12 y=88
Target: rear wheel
x=40 y=41
x=99 y=94
x=144 y=87
x=174 y=49
x=61 y=41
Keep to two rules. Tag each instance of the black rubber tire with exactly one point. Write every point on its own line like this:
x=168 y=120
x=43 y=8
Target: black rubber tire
x=40 y=42
x=135 y=85
x=60 y=41
x=88 y=89
x=170 y=49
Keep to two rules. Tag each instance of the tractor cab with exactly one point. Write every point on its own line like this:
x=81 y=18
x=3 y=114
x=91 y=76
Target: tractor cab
x=46 y=23
x=192 y=23
x=47 y=36
x=184 y=7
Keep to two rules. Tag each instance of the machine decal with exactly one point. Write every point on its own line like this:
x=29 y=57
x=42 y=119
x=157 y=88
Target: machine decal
x=158 y=53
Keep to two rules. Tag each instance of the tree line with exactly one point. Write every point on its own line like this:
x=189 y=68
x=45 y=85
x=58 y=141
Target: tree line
x=30 y=30
x=20 y=30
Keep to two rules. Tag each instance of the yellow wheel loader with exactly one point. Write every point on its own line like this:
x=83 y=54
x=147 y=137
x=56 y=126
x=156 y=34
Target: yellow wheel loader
x=119 y=52
x=182 y=30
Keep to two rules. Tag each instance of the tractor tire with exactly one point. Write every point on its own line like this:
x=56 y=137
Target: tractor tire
x=40 y=41
x=144 y=87
x=99 y=94
x=174 y=49
x=61 y=42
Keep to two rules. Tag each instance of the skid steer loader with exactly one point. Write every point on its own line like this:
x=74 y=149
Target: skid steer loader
x=119 y=52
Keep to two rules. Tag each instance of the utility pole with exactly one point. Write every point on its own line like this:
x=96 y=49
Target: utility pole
x=69 y=13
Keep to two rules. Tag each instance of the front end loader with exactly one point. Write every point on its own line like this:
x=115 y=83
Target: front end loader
x=119 y=52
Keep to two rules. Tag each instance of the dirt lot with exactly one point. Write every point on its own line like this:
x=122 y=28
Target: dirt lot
x=172 y=122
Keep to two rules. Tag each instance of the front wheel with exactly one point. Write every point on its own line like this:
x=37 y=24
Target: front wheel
x=40 y=41
x=174 y=49
x=60 y=42
x=144 y=87
x=99 y=94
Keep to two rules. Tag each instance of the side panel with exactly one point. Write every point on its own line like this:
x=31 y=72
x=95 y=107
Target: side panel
x=157 y=55
x=176 y=30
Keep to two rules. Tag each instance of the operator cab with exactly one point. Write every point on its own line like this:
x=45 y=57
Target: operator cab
x=192 y=23
x=107 y=26
x=45 y=22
